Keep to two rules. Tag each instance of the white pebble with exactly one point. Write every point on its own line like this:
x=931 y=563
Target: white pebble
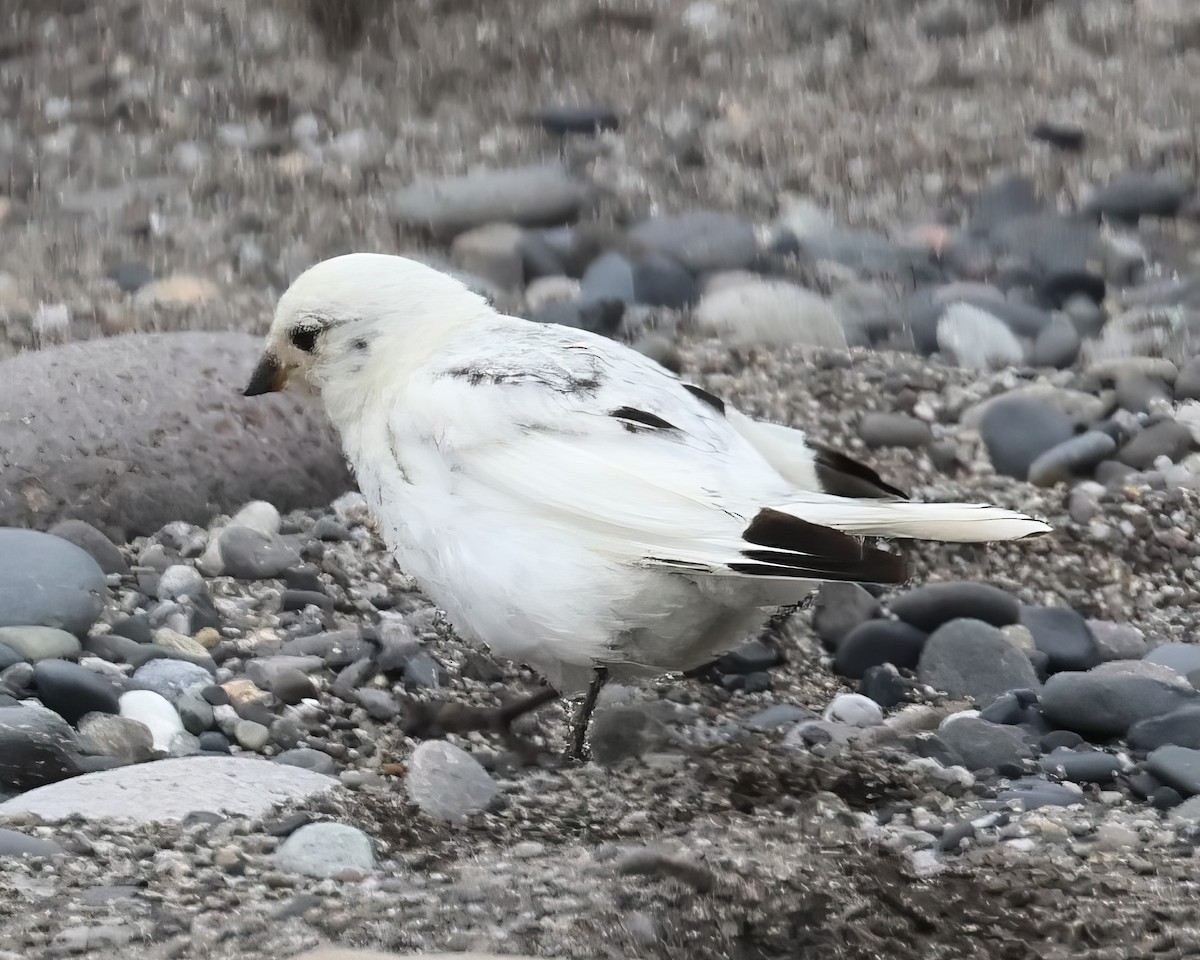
x=854 y=709
x=155 y=712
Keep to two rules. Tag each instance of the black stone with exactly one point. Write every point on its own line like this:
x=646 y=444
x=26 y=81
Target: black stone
x=876 y=642
x=1055 y=289
x=213 y=741
x=136 y=628
x=840 y=608
x=1017 y=430
x=1056 y=739
x=1180 y=728
x=1081 y=766
x=1063 y=635
x=299 y=599
x=929 y=607
x=72 y=691
x=660 y=281
x=560 y=121
x=1063 y=136
x=886 y=687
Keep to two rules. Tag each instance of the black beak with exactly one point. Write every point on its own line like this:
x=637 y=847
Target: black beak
x=268 y=377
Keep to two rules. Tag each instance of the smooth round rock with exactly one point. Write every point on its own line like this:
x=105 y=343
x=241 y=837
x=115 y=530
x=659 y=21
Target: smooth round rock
x=1034 y=792
x=121 y=737
x=72 y=691
x=1016 y=431
x=768 y=314
x=1057 y=345
x=37 y=746
x=308 y=759
x=82 y=441
x=168 y=790
x=840 y=607
x=975 y=339
x=1180 y=728
x=1167 y=438
x=970 y=658
x=853 y=709
x=1081 y=766
x=94 y=543
x=608 y=277
x=876 y=642
x=169 y=678
x=1063 y=635
x=325 y=849
x=894 y=430
x=1072 y=459
x=156 y=713
x=249 y=554
x=700 y=241
x=40 y=643
x=1107 y=700
x=44 y=580
x=659 y=281
x=448 y=783
x=1183 y=658
x=928 y=607
x=984 y=745
x=1177 y=767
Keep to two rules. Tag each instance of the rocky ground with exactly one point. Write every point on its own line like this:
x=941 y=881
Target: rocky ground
x=954 y=238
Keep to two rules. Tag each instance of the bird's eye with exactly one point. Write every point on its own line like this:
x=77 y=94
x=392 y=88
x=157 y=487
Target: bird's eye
x=305 y=338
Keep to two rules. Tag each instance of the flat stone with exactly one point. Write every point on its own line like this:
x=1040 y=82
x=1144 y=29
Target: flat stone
x=1063 y=635
x=1167 y=438
x=82 y=441
x=1183 y=658
x=168 y=790
x=1034 y=792
x=928 y=607
x=448 y=783
x=1081 y=766
x=1072 y=459
x=530 y=196
x=121 y=737
x=984 y=745
x=700 y=241
x=325 y=849
x=1017 y=431
x=40 y=643
x=1177 y=767
x=44 y=580
x=894 y=430
x=1180 y=728
x=72 y=691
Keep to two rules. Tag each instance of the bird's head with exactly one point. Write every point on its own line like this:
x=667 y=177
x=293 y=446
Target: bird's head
x=352 y=318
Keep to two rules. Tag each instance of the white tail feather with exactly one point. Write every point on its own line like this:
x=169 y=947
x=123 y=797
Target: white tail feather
x=948 y=522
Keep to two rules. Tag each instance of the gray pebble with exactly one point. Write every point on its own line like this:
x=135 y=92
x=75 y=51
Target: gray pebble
x=48 y=581
x=448 y=783
x=894 y=430
x=325 y=850
x=970 y=658
x=1106 y=700
x=252 y=555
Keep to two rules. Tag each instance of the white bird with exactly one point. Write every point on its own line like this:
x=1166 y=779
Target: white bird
x=567 y=501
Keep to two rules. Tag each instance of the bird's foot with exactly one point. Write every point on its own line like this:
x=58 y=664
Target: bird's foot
x=577 y=750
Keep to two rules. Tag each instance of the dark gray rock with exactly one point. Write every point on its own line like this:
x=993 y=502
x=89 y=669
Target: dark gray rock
x=71 y=690
x=37 y=747
x=608 y=277
x=1063 y=635
x=839 y=608
x=44 y=580
x=249 y=554
x=1187 y=384
x=81 y=441
x=1167 y=438
x=877 y=642
x=1180 y=728
x=865 y=252
x=533 y=196
x=596 y=316
x=120 y=737
x=291 y=685
x=700 y=241
x=561 y=120
x=1072 y=459
x=894 y=430
x=1107 y=700
x=1081 y=766
x=1057 y=344
x=984 y=745
x=447 y=783
x=970 y=658
x=623 y=732
x=130 y=277
x=1034 y=792
x=1138 y=393
x=379 y=704
x=1136 y=194
x=659 y=281
x=94 y=543
x=929 y=606
x=1016 y=431
x=1177 y=767
x=337 y=648
x=8 y=657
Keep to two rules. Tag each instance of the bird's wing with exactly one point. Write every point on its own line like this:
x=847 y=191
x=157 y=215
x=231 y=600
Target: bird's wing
x=584 y=433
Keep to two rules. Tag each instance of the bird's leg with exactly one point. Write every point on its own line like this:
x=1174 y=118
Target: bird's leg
x=583 y=717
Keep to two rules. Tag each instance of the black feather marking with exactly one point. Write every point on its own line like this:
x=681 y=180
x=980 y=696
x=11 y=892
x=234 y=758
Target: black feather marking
x=782 y=531
x=705 y=397
x=634 y=417
x=876 y=566
x=843 y=477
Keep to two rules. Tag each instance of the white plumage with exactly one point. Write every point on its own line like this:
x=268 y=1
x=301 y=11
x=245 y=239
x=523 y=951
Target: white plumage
x=567 y=501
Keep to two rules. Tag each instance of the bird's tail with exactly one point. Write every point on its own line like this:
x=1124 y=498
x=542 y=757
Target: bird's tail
x=948 y=522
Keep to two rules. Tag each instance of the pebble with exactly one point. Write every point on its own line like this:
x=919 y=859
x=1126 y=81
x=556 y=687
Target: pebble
x=1136 y=194
x=853 y=709
x=379 y=704
x=40 y=643
x=94 y=543
x=894 y=430
x=121 y=737
x=36 y=747
x=769 y=314
x=170 y=678
x=1118 y=641
x=971 y=658
x=1081 y=766
x=877 y=642
x=1016 y=431
x=1183 y=658
x=448 y=783
x=130 y=276
x=250 y=554
x=1073 y=458
x=700 y=241
x=1187 y=384
x=578 y=119
x=48 y=581
x=1167 y=438
x=527 y=196
x=291 y=685
x=932 y=605
x=659 y=281
x=180 y=580
x=325 y=850
x=1108 y=699
x=169 y=790
x=1179 y=728
x=608 y=277
x=156 y=713
x=839 y=608
x=1177 y=767
x=72 y=691
x=977 y=340
x=1034 y=792
x=984 y=745
x=250 y=735
x=308 y=759
x=1063 y=635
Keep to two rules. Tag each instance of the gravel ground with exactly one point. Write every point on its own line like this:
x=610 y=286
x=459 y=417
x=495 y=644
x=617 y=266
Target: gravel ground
x=171 y=166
